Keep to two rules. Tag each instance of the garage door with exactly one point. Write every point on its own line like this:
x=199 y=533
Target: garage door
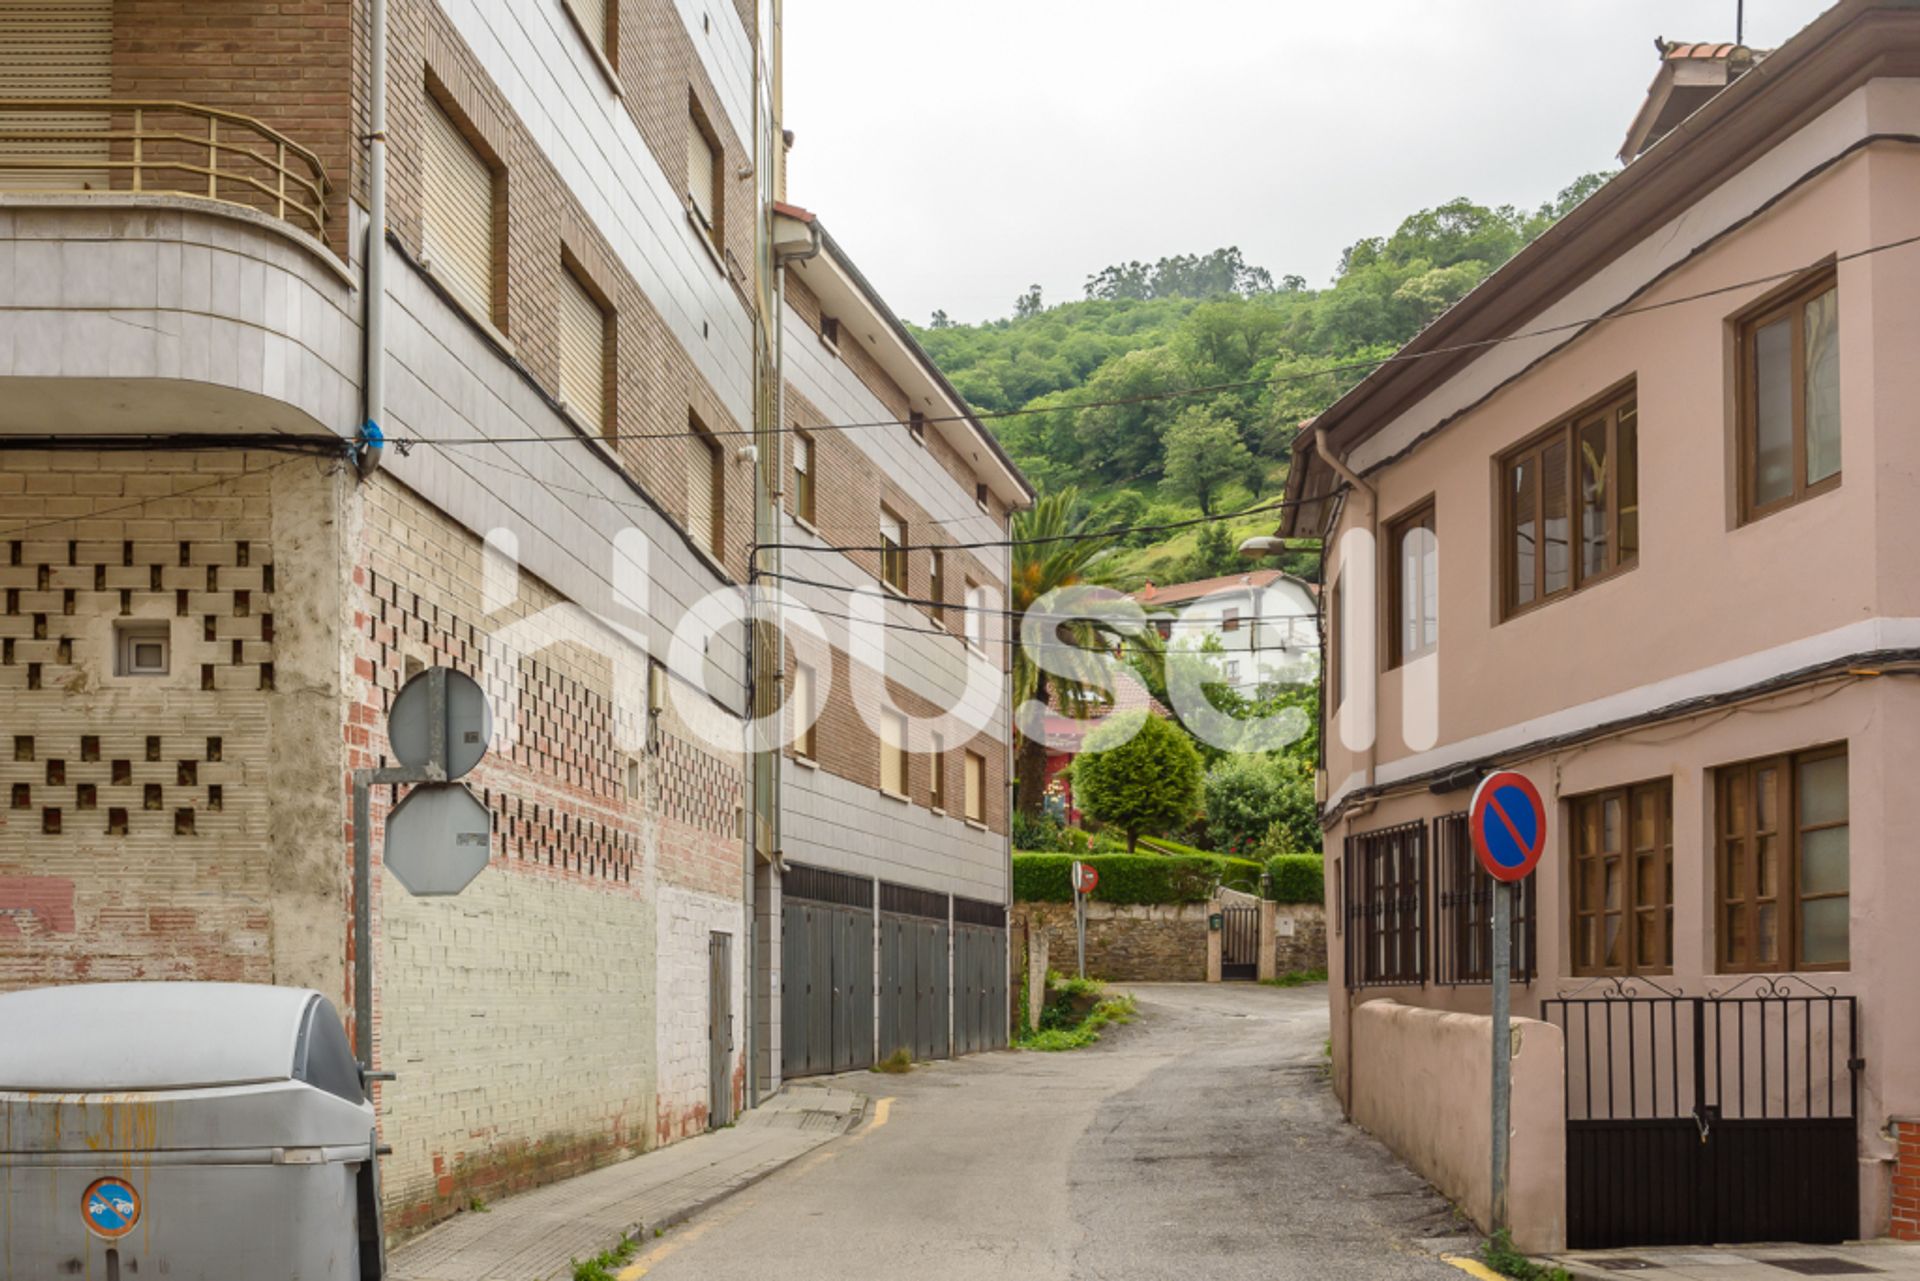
x=913 y=972
x=826 y=972
x=979 y=976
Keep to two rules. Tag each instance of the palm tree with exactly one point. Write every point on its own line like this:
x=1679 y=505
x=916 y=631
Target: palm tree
x=1053 y=550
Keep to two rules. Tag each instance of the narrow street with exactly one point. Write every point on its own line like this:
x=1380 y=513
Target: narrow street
x=1201 y=1141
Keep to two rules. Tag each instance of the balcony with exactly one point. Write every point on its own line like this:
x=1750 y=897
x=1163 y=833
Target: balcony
x=113 y=147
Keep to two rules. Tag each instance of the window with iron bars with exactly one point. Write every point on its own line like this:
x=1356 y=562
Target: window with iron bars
x=1463 y=930
x=1387 y=906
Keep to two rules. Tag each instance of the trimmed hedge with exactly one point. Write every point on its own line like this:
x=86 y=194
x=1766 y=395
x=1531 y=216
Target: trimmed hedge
x=1133 y=878
x=1297 y=878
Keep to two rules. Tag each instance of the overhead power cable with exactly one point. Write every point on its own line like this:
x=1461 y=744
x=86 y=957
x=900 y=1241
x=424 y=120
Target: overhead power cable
x=1353 y=366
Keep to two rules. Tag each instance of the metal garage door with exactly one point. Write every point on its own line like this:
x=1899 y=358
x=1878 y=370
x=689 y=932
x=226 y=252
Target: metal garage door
x=826 y=972
x=913 y=972
x=979 y=976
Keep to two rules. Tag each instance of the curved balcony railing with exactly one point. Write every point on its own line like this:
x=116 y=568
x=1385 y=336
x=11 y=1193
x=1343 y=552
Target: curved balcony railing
x=118 y=145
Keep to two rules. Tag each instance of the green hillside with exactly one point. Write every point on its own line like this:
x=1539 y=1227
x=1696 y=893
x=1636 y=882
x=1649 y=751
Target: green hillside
x=1269 y=354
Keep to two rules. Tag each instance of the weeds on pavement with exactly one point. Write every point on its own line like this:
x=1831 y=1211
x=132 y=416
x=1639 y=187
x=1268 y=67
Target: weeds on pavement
x=1299 y=978
x=604 y=1266
x=894 y=1064
x=1499 y=1254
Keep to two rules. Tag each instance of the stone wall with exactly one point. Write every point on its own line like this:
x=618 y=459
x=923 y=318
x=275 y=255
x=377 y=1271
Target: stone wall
x=1305 y=947
x=1145 y=943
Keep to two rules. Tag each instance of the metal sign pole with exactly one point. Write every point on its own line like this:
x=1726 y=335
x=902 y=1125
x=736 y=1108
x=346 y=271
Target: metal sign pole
x=1502 y=1043
x=1080 y=927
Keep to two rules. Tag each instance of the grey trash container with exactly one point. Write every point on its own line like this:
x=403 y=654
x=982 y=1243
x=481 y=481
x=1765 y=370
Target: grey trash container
x=182 y=1130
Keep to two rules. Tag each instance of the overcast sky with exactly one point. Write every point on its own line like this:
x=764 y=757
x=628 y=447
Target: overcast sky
x=961 y=150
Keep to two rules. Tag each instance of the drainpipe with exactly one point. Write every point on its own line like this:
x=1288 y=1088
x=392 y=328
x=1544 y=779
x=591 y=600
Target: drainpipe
x=372 y=440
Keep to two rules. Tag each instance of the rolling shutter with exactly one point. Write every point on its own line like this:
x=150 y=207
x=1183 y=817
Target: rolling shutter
x=976 y=798
x=55 y=49
x=583 y=352
x=457 y=226
x=701 y=498
x=593 y=16
x=700 y=174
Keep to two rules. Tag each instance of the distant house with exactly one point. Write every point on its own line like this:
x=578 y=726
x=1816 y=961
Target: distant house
x=1069 y=722
x=1267 y=623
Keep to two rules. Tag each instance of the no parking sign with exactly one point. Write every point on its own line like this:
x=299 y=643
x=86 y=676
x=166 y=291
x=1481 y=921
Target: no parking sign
x=1508 y=823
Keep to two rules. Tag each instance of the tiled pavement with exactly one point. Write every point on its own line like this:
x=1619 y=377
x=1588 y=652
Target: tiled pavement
x=1894 y=1261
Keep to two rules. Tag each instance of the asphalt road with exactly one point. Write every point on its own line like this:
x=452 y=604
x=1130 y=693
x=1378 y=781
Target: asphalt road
x=1200 y=1142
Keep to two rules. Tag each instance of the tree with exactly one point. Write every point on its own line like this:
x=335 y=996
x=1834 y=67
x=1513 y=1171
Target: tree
x=1251 y=795
x=1028 y=305
x=1214 y=553
x=941 y=320
x=1052 y=550
x=1204 y=453
x=1139 y=774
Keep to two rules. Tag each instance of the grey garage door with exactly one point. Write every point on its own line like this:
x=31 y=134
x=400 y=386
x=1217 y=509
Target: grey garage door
x=913 y=972
x=826 y=972
x=979 y=976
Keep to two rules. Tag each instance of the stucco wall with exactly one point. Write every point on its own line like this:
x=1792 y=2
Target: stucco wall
x=1421 y=1086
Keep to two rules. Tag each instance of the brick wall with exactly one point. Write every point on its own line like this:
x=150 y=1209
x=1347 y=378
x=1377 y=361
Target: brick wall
x=1906 y=1181
x=170 y=826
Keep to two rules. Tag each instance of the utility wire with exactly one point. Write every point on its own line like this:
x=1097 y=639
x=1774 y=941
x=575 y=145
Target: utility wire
x=1452 y=349
x=903 y=599
x=224 y=479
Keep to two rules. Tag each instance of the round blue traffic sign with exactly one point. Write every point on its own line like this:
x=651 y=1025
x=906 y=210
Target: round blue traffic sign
x=1507 y=821
x=111 y=1207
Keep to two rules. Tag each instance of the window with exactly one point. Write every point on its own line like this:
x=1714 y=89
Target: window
x=976 y=616
x=1233 y=671
x=830 y=332
x=705 y=494
x=142 y=649
x=1781 y=859
x=937 y=762
x=459 y=224
x=976 y=797
x=704 y=157
x=1790 y=399
x=937 y=584
x=803 y=483
x=1164 y=627
x=595 y=18
x=656 y=700
x=803 y=711
x=893 y=752
x=1572 y=505
x=893 y=550
x=585 y=353
x=1387 y=906
x=980 y=494
x=1413 y=586
x=60 y=50
x=1230 y=620
x=1623 y=880
x=1463 y=933
x=917 y=426
x=1336 y=633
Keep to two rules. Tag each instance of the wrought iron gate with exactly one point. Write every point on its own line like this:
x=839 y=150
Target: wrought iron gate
x=1725 y=1118
x=1240 y=943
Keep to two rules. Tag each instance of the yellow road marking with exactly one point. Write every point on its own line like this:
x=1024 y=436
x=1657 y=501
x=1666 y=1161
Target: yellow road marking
x=881 y=1111
x=1473 y=1267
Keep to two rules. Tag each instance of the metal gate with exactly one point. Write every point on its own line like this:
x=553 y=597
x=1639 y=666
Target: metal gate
x=913 y=972
x=1240 y=942
x=826 y=972
x=979 y=976
x=1700 y=1120
x=719 y=1030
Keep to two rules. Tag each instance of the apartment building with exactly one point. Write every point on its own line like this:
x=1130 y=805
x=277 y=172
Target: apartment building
x=1639 y=530
x=1264 y=625
x=216 y=577
x=894 y=803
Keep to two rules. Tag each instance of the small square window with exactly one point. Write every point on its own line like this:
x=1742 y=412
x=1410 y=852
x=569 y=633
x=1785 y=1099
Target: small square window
x=142 y=649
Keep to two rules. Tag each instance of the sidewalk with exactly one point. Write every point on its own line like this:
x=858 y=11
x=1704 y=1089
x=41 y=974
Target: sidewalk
x=535 y=1236
x=1896 y=1261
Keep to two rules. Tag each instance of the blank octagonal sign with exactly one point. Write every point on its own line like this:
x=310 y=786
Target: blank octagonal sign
x=438 y=839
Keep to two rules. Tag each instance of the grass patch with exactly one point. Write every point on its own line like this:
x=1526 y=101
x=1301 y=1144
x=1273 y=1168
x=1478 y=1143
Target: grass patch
x=1053 y=1040
x=894 y=1064
x=1299 y=978
x=1499 y=1254
x=605 y=1265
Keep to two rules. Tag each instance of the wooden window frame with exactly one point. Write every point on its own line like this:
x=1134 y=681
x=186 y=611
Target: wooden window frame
x=968 y=767
x=1229 y=620
x=1419 y=516
x=937 y=768
x=805 y=479
x=1334 y=633
x=1613 y=406
x=1388 y=903
x=711 y=228
x=1631 y=908
x=1789 y=303
x=937 y=584
x=1787 y=879
x=896 y=564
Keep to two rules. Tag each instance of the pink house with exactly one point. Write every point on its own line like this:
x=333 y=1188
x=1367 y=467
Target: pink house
x=1636 y=518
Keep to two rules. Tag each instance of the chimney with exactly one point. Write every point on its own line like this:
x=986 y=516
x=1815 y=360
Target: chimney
x=1689 y=77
